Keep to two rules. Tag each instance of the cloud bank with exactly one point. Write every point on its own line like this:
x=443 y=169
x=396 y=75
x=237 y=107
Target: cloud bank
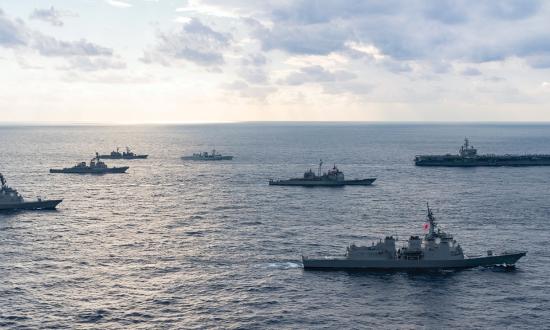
x=82 y=54
x=398 y=56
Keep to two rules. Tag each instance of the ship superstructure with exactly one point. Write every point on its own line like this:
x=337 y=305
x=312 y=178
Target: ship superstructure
x=468 y=157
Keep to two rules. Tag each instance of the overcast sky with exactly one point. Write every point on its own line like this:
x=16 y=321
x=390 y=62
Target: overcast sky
x=135 y=61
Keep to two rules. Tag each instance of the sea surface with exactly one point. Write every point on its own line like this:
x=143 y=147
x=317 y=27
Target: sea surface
x=181 y=244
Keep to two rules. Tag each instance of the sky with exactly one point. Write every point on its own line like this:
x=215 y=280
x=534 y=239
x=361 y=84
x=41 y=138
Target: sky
x=168 y=61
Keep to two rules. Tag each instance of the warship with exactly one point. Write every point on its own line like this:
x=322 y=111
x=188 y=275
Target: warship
x=332 y=178
x=468 y=157
x=207 y=156
x=128 y=154
x=96 y=167
x=436 y=250
x=11 y=200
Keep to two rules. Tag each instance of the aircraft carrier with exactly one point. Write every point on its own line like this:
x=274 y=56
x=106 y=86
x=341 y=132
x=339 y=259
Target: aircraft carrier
x=468 y=157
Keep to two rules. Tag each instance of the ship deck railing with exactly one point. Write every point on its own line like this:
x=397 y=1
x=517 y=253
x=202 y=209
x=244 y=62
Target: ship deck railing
x=485 y=156
x=328 y=257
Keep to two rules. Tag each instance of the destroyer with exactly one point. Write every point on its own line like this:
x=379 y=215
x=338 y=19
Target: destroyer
x=332 y=178
x=128 y=154
x=437 y=250
x=10 y=200
x=467 y=156
x=96 y=167
x=207 y=156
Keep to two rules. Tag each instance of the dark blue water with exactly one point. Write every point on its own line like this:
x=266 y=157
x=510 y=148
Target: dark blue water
x=176 y=244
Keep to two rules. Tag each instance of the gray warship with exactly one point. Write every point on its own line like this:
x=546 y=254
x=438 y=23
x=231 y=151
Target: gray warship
x=207 y=156
x=468 y=157
x=128 y=154
x=333 y=178
x=11 y=200
x=96 y=167
x=437 y=250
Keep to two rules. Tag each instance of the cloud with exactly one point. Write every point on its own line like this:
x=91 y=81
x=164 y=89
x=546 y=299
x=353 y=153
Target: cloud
x=355 y=88
x=257 y=59
x=314 y=39
x=307 y=12
x=539 y=62
x=81 y=54
x=446 y=11
x=247 y=91
x=317 y=74
x=49 y=46
x=470 y=72
x=50 y=15
x=194 y=42
x=533 y=49
x=13 y=33
x=253 y=75
x=513 y=9
x=252 y=69
x=118 y=4
x=196 y=7
x=85 y=63
x=404 y=31
x=396 y=66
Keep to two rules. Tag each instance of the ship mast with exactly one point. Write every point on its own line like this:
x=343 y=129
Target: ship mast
x=431 y=221
x=2 y=180
x=320 y=164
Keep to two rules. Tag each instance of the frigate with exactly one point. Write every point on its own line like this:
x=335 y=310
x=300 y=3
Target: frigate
x=11 y=200
x=468 y=157
x=207 y=156
x=96 y=167
x=436 y=250
x=333 y=178
x=128 y=154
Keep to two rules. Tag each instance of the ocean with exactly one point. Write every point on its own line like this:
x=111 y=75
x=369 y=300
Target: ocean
x=199 y=245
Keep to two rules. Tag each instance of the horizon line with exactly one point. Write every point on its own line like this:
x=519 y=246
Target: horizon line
x=172 y=123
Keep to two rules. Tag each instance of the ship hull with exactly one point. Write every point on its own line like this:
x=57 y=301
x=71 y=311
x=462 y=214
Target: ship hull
x=483 y=161
x=320 y=183
x=508 y=259
x=90 y=171
x=207 y=159
x=123 y=157
x=36 y=205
